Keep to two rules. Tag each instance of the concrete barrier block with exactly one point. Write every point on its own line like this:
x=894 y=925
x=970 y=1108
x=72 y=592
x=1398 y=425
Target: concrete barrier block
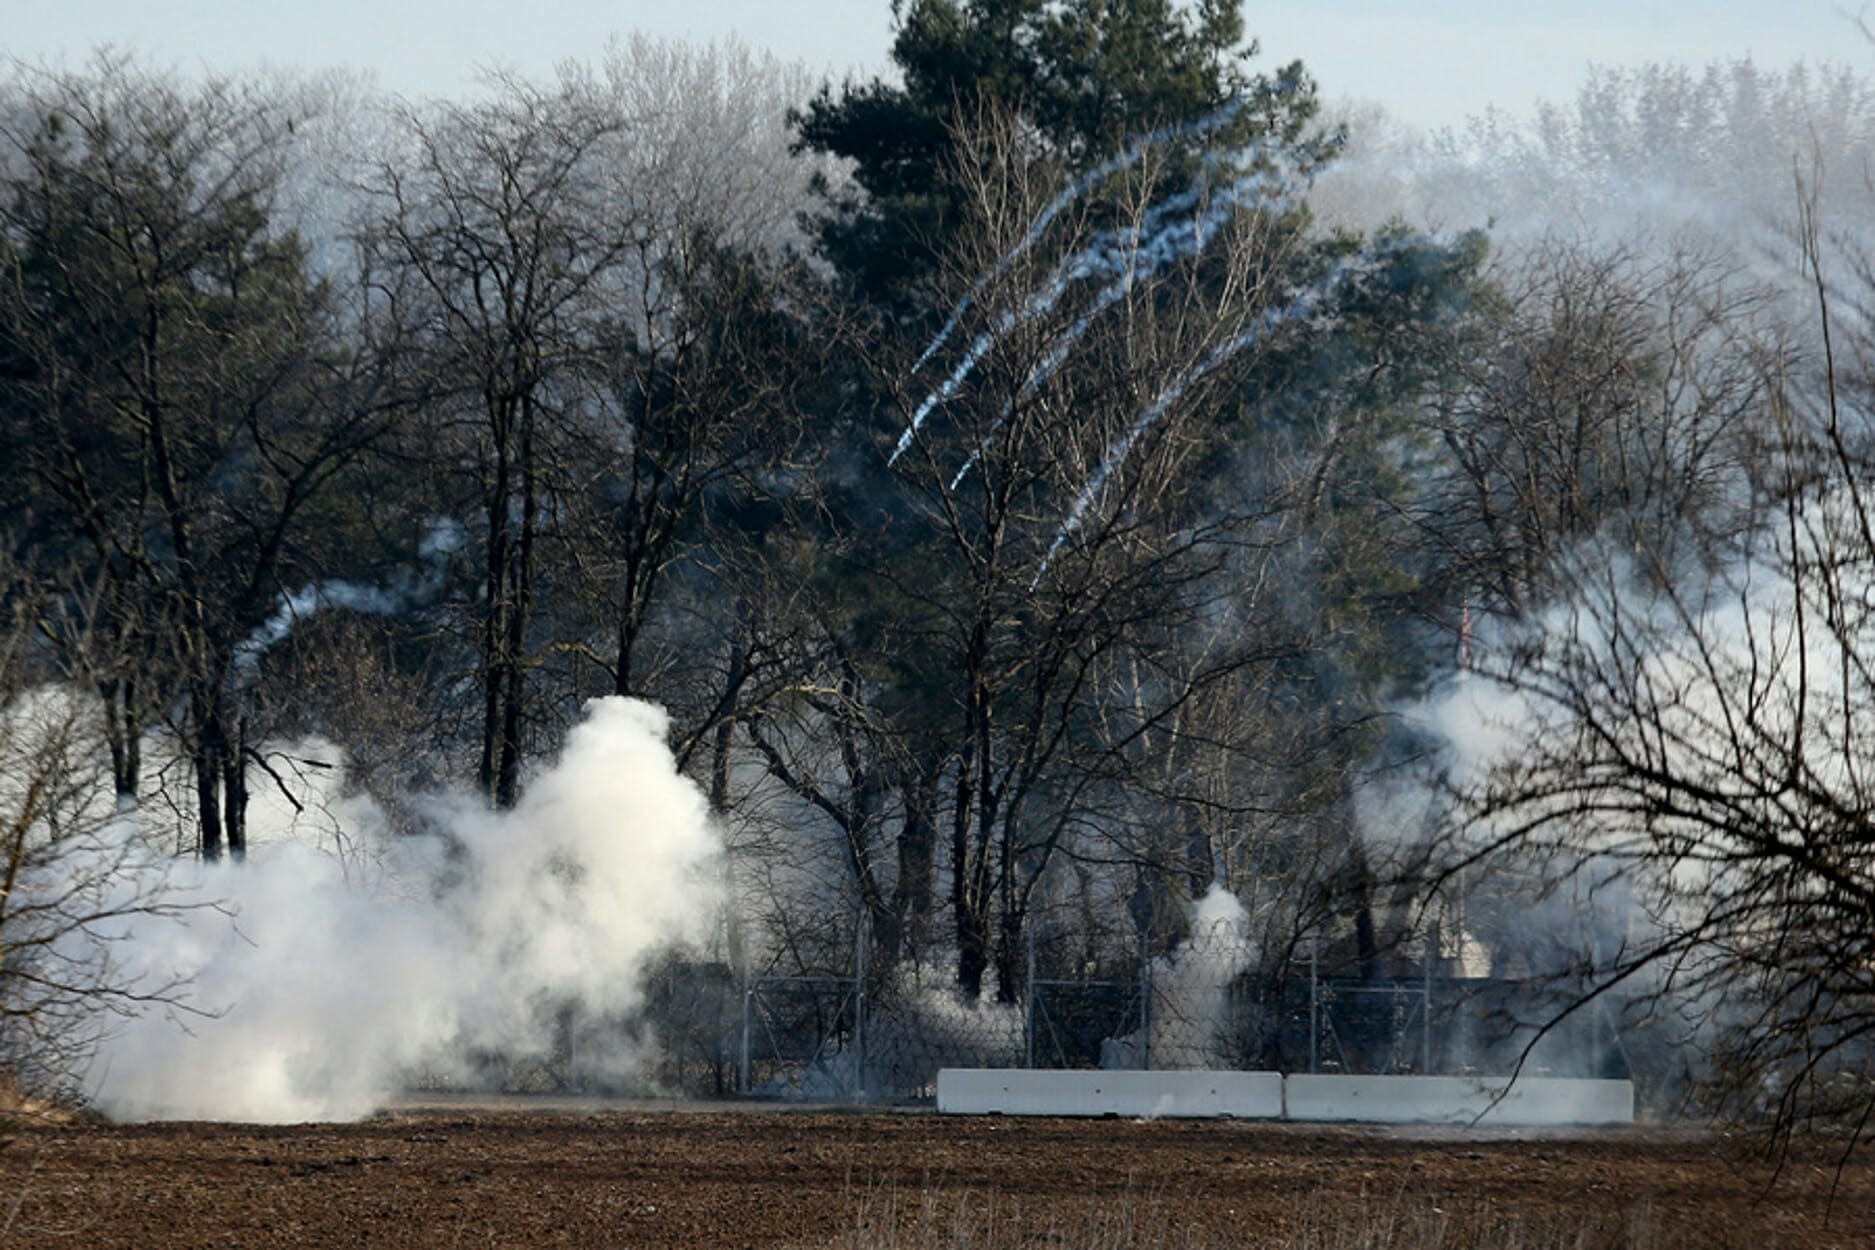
x=1526 y=1102
x=987 y=1091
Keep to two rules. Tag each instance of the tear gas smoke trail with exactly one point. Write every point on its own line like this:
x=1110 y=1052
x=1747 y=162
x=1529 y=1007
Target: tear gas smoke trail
x=1301 y=306
x=1037 y=305
x=1164 y=246
x=1285 y=86
x=1162 y=238
x=1204 y=230
x=1119 y=163
x=442 y=539
x=321 y=993
x=1110 y=252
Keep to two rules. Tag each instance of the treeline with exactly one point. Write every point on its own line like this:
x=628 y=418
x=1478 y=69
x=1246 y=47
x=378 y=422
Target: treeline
x=1029 y=514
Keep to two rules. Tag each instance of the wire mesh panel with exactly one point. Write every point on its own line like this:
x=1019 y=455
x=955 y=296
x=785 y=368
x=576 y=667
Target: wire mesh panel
x=912 y=1030
x=1203 y=1002
x=550 y=1066
x=1496 y=1027
x=1373 y=1029
x=802 y=1036
x=694 y=1010
x=1085 y=1024
x=1197 y=1013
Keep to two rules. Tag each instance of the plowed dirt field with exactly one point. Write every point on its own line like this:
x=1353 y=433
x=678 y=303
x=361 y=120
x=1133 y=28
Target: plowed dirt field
x=758 y=1178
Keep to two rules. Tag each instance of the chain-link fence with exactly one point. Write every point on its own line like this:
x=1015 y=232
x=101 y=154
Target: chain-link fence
x=1206 y=1005
x=802 y=1036
x=852 y=1032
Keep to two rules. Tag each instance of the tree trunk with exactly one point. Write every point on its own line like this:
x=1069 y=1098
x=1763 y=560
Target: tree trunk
x=1200 y=862
x=495 y=611
x=123 y=733
x=630 y=626
x=917 y=858
x=1009 y=952
x=973 y=954
x=209 y=747
x=972 y=926
x=234 y=791
x=514 y=652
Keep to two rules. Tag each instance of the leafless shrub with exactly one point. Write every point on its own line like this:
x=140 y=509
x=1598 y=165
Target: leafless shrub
x=75 y=873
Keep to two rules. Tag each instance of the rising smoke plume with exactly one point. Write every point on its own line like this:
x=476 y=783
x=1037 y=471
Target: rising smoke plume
x=1188 y=1016
x=310 y=995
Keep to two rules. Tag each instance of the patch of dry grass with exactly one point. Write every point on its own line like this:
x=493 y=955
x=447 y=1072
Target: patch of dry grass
x=888 y=1219
x=19 y=1107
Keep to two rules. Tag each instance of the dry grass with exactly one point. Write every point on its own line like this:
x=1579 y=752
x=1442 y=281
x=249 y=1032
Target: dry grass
x=887 y=1219
x=18 y=1107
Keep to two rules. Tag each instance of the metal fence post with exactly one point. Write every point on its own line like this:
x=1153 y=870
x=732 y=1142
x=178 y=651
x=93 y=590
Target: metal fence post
x=1315 y=1003
x=1145 y=1003
x=573 y=1078
x=1028 y=1016
x=860 y=944
x=1425 y=1011
x=748 y=1004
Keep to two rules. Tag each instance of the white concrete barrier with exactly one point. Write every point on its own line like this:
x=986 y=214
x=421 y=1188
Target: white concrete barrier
x=1529 y=1101
x=1016 y=1091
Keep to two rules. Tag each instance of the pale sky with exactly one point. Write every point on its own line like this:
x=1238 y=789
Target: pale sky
x=1429 y=61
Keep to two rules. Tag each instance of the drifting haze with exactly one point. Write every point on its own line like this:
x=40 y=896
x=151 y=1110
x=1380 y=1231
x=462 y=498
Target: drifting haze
x=1430 y=64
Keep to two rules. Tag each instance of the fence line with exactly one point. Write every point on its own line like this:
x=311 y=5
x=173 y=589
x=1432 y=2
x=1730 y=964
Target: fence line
x=858 y=1037
x=857 y=1033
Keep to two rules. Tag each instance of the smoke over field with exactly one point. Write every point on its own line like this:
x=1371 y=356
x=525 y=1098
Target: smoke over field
x=310 y=992
x=1040 y=558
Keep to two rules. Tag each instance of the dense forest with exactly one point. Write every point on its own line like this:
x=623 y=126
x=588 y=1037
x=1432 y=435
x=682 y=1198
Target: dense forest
x=1068 y=481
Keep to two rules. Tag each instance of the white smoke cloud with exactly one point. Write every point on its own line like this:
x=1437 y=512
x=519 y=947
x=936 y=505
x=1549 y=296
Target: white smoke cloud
x=1188 y=1021
x=310 y=995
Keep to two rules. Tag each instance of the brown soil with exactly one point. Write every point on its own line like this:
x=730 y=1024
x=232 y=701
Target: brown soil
x=479 y=1176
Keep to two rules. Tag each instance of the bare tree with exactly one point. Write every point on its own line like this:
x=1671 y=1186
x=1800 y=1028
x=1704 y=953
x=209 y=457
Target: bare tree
x=1685 y=746
x=1593 y=390
x=181 y=399
x=500 y=234
x=75 y=872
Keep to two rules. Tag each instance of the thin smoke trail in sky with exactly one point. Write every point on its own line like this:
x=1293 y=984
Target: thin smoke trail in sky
x=1167 y=245
x=1297 y=308
x=1036 y=305
x=441 y=540
x=1105 y=252
x=1122 y=447
x=1124 y=160
x=1162 y=238
x=1134 y=152
x=1203 y=231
